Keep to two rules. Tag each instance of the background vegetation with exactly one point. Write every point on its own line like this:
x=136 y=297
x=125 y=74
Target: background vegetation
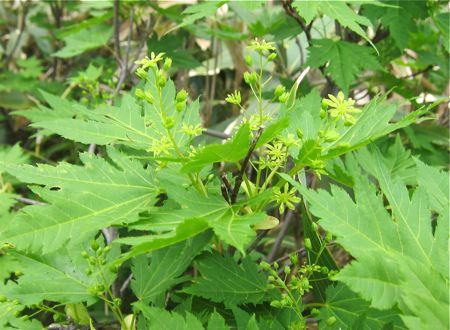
x=270 y=165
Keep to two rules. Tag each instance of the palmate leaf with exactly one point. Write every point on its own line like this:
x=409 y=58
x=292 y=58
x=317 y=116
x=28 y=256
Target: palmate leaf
x=7 y=200
x=337 y=10
x=373 y=123
x=231 y=151
x=84 y=40
x=351 y=311
x=214 y=211
x=346 y=60
x=159 y=318
x=82 y=200
x=402 y=261
x=223 y=280
x=398 y=17
x=57 y=277
x=9 y=320
x=122 y=124
x=166 y=266
x=12 y=155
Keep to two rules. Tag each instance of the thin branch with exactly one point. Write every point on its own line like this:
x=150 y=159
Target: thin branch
x=141 y=43
x=290 y=11
x=301 y=251
x=29 y=201
x=258 y=239
x=414 y=74
x=116 y=23
x=281 y=235
x=216 y=134
x=124 y=68
x=226 y=188
x=125 y=284
x=21 y=23
x=239 y=178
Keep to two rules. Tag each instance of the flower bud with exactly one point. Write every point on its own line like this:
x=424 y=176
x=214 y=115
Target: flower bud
x=167 y=64
x=139 y=93
x=287 y=270
x=250 y=78
x=308 y=245
x=314 y=312
x=162 y=80
x=248 y=60
x=294 y=259
x=272 y=56
x=168 y=122
x=349 y=121
x=94 y=245
x=283 y=97
x=264 y=265
x=182 y=95
x=180 y=106
x=276 y=304
x=330 y=321
x=279 y=90
x=141 y=73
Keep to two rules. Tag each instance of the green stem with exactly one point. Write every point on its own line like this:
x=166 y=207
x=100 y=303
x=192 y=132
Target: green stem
x=197 y=183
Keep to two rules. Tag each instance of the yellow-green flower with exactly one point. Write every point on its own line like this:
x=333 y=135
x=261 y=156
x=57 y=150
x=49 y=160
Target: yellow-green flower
x=192 y=130
x=285 y=197
x=151 y=62
x=234 y=98
x=340 y=108
x=261 y=46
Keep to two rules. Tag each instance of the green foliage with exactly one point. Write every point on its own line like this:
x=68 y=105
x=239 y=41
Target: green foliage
x=157 y=174
x=345 y=60
x=75 y=211
x=224 y=281
x=85 y=40
x=384 y=271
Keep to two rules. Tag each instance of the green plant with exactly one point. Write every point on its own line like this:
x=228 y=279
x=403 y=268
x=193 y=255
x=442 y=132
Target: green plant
x=153 y=226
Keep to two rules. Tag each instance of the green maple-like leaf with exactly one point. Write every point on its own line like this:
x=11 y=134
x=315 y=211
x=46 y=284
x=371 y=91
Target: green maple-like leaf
x=351 y=311
x=159 y=318
x=121 y=124
x=223 y=280
x=402 y=261
x=345 y=60
x=232 y=151
x=11 y=155
x=398 y=17
x=57 y=277
x=10 y=321
x=84 y=40
x=166 y=266
x=372 y=123
x=82 y=200
x=230 y=226
x=337 y=10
